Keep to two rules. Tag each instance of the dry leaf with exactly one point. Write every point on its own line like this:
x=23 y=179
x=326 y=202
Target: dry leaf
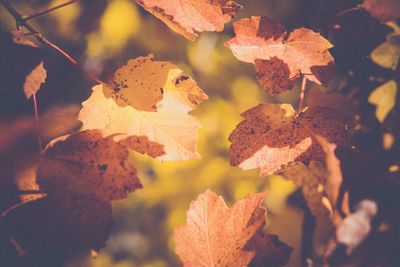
x=334 y=100
x=383 y=10
x=190 y=16
x=142 y=82
x=271 y=252
x=86 y=163
x=312 y=179
x=34 y=80
x=60 y=222
x=37 y=75
x=170 y=125
x=59 y=121
x=272 y=137
x=215 y=235
x=281 y=58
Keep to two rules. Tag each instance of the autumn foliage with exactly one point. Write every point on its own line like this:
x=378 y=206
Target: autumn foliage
x=65 y=168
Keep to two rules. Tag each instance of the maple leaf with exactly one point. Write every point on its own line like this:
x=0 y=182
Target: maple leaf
x=86 y=163
x=59 y=222
x=281 y=58
x=215 y=235
x=383 y=10
x=272 y=137
x=170 y=125
x=187 y=17
x=142 y=82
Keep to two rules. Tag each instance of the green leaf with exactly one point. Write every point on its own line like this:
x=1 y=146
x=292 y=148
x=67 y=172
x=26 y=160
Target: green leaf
x=386 y=55
x=384 y=98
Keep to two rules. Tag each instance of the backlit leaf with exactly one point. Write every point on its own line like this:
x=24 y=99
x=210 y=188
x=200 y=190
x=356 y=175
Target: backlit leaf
x=281 y=58
x=171 y=97
x=272 y=137
x=190 y=16
x=384 y=98
x=215 y=235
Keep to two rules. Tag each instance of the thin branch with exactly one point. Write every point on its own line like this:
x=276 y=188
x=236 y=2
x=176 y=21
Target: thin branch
x=41 y=38
x=302 y=93
x=37 y=14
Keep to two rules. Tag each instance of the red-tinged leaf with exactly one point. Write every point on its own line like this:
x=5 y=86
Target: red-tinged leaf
x=383 y=10
x=60 y=223
x=215 y=235
x=281 y=58
x=86 y=163
x=115 y=110
x=190 y=16
x=272 y=137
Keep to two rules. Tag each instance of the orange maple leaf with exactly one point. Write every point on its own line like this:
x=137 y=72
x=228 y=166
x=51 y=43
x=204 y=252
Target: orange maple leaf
x=281 y=58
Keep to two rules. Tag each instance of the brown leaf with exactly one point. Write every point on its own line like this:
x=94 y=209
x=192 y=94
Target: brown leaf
x=86 y=163
x=266 y=44
x=60 y=222
x=191 y=16
x=334 y=100
x=271 y=252
x=171 y=125
x=34 y=80
x=215 y=235
x=383 y=10
x=312 y=179
x=272 y=137
x=59 y=121
x=37 y=75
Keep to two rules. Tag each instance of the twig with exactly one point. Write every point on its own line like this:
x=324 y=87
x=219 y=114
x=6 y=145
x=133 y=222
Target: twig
x=41 y=38
x=35 y=108
x=302 y=92
x=37 y=14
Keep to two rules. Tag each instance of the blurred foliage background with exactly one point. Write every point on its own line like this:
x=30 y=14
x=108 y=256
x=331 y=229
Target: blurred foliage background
x=102 y=35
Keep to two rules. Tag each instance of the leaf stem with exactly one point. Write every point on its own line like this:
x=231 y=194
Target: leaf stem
x=35 y=108
x=41 y=38
x=302 y=93
x=346 y=11
x=37 y=14
x=30 y=192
